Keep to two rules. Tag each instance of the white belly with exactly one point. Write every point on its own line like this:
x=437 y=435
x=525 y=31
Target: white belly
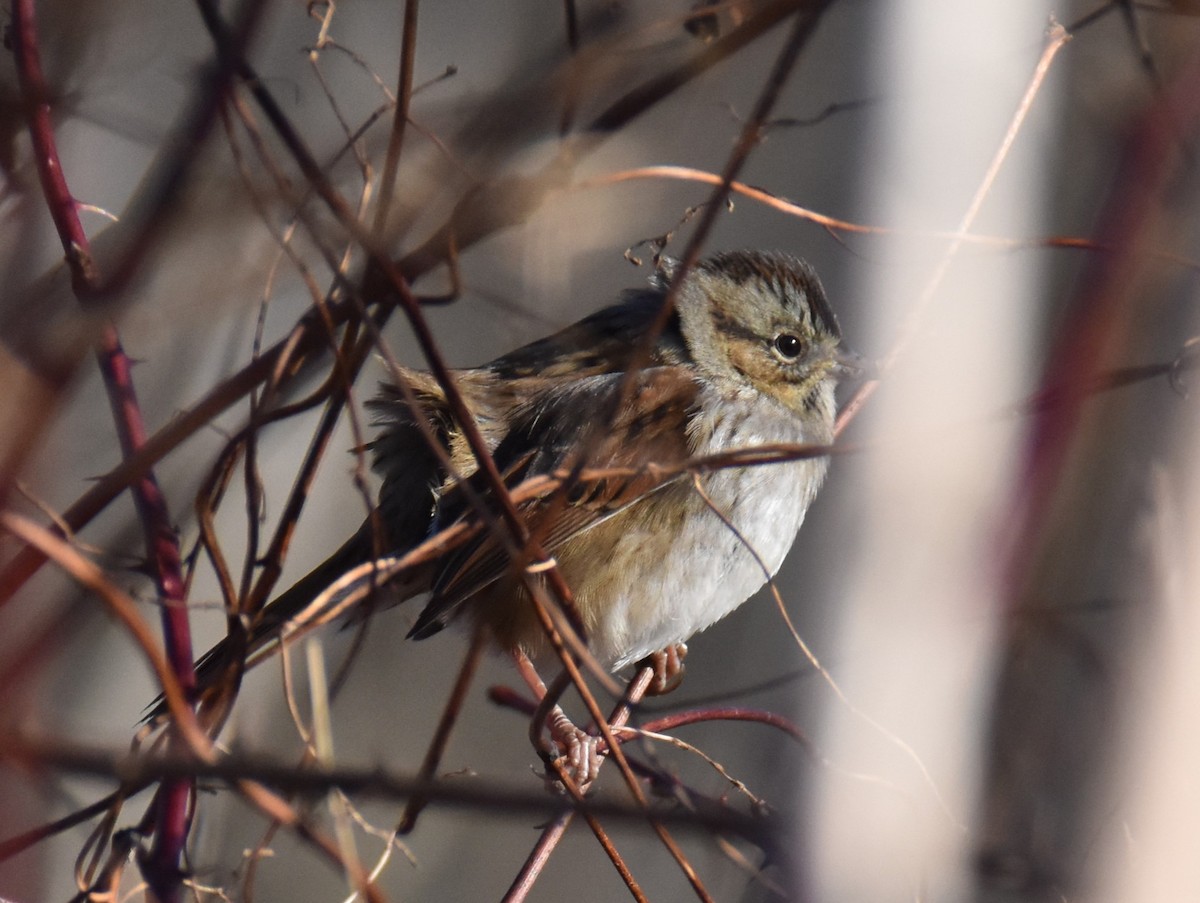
x=678 y=585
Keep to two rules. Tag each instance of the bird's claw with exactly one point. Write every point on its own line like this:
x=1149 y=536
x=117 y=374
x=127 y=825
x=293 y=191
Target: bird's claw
x=668 y=668
x=582 y=754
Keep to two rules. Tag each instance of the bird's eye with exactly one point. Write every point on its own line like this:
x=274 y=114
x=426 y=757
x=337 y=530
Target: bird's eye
x=788 y=345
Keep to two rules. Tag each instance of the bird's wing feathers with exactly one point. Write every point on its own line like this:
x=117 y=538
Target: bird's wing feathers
x=586 y=425
x=608 y=341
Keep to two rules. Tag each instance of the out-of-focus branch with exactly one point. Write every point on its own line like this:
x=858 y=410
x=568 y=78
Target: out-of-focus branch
x=369 y=783
x=1054 y=731
x=408 y=57
x=161 y=543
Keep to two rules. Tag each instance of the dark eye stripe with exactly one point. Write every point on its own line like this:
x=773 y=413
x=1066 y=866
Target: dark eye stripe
x=726 y=325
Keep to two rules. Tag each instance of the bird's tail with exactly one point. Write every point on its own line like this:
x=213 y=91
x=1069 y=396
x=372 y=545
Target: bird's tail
x=226 y=661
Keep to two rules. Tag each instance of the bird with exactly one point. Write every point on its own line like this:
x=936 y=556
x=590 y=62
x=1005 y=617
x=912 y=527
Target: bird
x=750 y=355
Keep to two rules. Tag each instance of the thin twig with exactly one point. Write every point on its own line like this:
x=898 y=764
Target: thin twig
x=888 y=734
x=441 y=736
x=834 y=224
x=280 y=810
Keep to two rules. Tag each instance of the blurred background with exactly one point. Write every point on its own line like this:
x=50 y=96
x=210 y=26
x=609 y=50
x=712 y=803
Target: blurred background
x=998 y=581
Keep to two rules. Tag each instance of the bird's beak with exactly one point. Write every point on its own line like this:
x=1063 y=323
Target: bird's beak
x=852 y=365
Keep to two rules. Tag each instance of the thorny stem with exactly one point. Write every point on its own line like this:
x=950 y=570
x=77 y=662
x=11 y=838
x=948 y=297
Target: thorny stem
x=89 y=575
x=162 y=866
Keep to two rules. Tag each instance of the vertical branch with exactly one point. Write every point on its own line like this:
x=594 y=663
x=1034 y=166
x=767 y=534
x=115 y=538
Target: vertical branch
x=36 y=96
x=572 y=23
x=408 y=57
x=160 y=540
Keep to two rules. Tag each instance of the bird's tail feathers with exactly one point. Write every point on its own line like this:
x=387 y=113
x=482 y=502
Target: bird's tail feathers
x=322 y=595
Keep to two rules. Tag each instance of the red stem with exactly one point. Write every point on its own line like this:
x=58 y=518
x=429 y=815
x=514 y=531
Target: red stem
x=162 y=546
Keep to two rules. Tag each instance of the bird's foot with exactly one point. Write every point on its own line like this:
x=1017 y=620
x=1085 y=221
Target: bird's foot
x=581 y=752
x=668 y=668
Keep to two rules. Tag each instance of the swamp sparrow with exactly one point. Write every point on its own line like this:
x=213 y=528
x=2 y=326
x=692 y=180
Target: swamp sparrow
x=750 y=356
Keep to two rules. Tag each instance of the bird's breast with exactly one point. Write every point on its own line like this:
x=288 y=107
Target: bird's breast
x=686 y=556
